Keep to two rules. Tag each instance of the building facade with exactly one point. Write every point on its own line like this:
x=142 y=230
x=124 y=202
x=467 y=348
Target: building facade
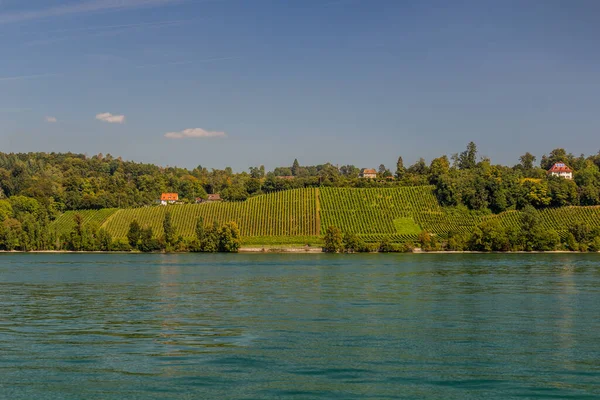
x=561 y=170
x=368 y=173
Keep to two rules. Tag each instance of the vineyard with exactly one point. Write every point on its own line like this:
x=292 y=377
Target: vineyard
x=66 y=222
x=297 y=217
x=558 y=219
x=290 y=214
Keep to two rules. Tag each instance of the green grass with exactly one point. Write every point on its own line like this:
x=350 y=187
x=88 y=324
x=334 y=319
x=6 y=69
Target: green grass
x=406 y=226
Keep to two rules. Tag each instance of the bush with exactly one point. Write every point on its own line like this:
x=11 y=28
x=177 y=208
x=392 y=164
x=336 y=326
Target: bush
x=354 y=244
x=120 y=245
x=229 y=238
x=334 y=242
x=595 y=244
x=386 y=246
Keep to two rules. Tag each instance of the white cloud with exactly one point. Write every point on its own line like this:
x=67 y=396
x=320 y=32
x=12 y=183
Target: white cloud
x=51 y=120
x=110 y=118
x=194 y=133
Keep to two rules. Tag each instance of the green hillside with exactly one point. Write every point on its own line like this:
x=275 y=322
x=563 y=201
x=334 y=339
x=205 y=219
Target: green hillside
x=299 y=216
x=66 y=222
x=289 y=213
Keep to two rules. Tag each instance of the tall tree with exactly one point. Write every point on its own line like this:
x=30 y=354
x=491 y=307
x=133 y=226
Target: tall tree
x=334 y=242
x=200 y=230
x=295 y=167
x=147 y=242
x=468 y=158
x=400 y=170
x=169 y=229
x=438 y=167
x=133 y=235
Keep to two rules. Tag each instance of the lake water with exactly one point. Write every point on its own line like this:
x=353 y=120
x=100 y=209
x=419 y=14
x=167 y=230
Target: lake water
x=191 y=326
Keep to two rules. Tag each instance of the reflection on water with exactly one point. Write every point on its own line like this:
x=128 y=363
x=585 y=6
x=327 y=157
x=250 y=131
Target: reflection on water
x=299 y=326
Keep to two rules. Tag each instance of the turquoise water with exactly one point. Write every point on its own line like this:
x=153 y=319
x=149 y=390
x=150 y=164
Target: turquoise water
x=113 y=326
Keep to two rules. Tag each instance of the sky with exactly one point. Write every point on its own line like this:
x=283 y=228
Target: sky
x=242 y=83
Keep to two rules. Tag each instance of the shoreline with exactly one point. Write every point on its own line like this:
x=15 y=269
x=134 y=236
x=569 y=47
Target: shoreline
x=293 y=250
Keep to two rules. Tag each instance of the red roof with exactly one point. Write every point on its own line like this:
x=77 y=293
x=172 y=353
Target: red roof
x=560 y=167
x=214 y=197
x=368 y=171
x=169 y=197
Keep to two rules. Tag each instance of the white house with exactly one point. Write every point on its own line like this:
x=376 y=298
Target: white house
x=561 y=170
x=169 y=198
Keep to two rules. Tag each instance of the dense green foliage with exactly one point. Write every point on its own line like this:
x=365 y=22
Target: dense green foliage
x=75 y=202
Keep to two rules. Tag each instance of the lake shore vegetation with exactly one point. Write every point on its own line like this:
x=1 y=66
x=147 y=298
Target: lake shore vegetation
x=73 y=202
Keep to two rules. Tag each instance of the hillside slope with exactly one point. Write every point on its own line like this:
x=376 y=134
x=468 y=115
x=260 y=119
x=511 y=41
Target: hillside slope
x=299 y=216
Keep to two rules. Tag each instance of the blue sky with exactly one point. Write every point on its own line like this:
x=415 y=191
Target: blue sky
x=246 y=82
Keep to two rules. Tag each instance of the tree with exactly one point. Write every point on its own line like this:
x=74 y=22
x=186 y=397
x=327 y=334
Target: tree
x=200 y=230
x=489 y=236
x=353 y=243
x=349 y=171
x=581 y=232
x=257 y=172
x=400 y=170
x=386 y=246
x=210 y=244
x=334 y=242
x=457 y=241
x=76 y=239
x=147 y=243
x=425 y=240
x=439 y=166
x=563 y=192
x=527 y=161
x=295 y=167
x=169 y=230
x=104 y=240
x=133 y=235
x=229 y=238
x=468 y=158
x=419 y=168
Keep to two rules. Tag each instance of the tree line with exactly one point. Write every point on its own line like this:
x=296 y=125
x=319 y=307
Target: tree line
x=68 y=181
x=27 y=229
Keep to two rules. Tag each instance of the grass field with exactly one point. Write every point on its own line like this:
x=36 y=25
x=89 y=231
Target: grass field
x=299 y=216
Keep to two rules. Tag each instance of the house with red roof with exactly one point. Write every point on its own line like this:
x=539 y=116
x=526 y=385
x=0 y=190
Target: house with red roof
x=560 y=169
x=169 y=198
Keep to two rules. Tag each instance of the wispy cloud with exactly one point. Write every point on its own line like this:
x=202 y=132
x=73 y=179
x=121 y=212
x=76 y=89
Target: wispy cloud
x=110 y=118
x=207 y=60
x=23 y=77
x=75 y=8
x=51 y=120
x=194 y=133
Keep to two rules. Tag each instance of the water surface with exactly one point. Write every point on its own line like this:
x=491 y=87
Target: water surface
x=115 y=326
